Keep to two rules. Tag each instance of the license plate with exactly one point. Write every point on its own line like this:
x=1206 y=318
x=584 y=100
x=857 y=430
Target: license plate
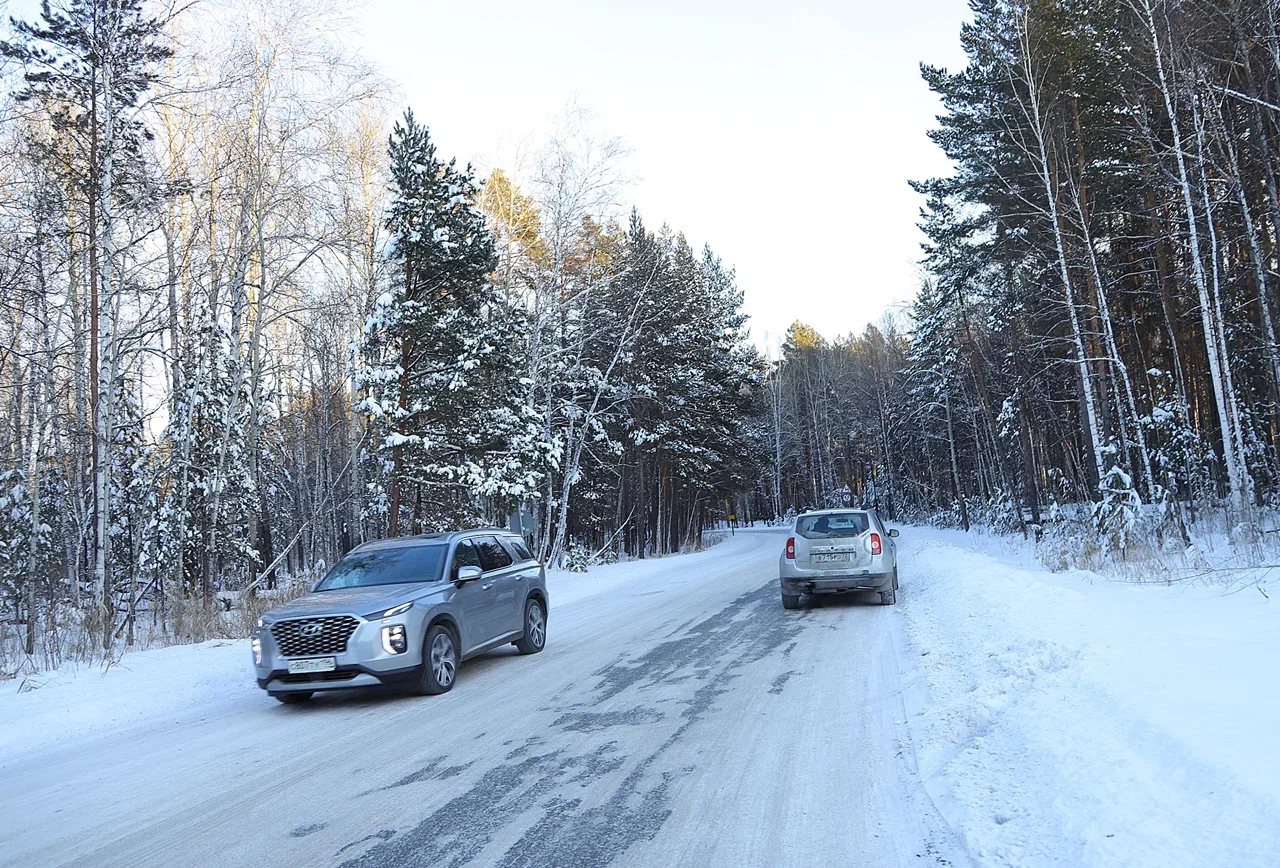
x=317 y=664
x=826 y=559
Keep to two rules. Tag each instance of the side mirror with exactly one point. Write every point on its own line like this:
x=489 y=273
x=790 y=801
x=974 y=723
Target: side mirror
x=893 y=532
x=468 y=573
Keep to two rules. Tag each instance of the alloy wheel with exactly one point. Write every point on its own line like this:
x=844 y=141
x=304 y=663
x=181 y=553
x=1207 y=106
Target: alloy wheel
x=537 y=627
x=444 y=660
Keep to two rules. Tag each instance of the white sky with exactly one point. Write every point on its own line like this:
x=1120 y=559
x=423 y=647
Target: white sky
x=783 y=134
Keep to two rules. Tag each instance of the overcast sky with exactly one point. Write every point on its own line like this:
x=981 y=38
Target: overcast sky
x=783 y=134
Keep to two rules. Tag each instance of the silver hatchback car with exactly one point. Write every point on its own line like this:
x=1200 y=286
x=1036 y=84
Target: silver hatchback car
x=404 y=613
x=834 y=551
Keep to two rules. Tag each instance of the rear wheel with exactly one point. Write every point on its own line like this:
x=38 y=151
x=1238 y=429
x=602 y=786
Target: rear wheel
x=888 y=598
x=292 y=698
x=535 y=628
x=791 y=601
x=440 y=661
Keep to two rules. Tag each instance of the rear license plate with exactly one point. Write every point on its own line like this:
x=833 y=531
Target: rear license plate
x=318 y=664
x=830 y=558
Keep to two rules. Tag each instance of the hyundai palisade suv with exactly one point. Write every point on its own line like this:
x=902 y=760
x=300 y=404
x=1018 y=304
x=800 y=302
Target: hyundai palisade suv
x=404 y=613
x=835 y=551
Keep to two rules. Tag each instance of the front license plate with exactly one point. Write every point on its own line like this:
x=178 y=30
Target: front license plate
x=317 y=664
x=832 y=558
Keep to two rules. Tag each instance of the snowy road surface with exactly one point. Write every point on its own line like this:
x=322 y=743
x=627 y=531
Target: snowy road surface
x=678 y=717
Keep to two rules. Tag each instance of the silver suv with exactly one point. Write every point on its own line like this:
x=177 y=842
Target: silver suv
x=834 y=551
x=404 y=612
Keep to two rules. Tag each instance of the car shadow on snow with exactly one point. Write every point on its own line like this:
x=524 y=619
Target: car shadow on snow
x=855 y=599
x=373 y=697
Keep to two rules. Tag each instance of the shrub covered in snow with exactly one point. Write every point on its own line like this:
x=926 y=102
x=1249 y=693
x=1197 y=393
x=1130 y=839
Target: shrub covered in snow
x=577 y=559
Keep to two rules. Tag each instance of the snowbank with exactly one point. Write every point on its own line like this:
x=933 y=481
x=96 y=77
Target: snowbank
x=52 y=707
x=1061 y=719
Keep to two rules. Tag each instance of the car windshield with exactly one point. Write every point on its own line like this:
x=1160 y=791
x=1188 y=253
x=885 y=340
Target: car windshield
x=833 y=525
x=389 y=566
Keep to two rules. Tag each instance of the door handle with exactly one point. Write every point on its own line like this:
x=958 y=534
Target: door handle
x=486 y=587
x=519 y=577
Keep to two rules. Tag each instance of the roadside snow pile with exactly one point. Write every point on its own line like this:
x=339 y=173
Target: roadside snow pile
x=1060 y=719
x=75 y=701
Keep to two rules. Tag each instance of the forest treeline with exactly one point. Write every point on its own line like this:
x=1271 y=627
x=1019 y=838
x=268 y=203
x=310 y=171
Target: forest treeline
x=251 y=317
x=1097 y=326
x=250 y=321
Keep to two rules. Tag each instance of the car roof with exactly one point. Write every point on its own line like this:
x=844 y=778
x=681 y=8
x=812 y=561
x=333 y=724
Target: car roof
x=443 y=538
x=833 y=511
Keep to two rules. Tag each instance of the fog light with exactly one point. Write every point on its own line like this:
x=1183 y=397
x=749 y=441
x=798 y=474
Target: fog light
x=393 y=639
x=256 y=643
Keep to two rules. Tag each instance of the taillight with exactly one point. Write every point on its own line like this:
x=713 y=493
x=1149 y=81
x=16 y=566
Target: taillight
x=791 y=548
x=875 y=543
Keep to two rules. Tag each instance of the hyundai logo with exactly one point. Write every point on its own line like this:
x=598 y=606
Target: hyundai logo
x=311 y=629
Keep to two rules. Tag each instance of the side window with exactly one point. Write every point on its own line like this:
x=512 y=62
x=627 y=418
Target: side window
x=465 y=555
x=492 y=555
x=518 y=548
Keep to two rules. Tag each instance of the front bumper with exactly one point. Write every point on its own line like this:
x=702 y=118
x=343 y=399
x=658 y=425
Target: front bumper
x=828 y=584
x=343 y=678
x=364 y=663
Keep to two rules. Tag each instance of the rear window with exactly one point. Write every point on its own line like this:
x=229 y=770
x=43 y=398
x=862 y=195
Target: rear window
x=833 y=525
x=492 y=555
x=518 y=548
x=389 y=566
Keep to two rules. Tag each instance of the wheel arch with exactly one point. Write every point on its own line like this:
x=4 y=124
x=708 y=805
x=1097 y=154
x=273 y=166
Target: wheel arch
x=539 y=595
x=449 y=621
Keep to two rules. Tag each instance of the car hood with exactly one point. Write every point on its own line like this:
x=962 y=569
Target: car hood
x=356 y=601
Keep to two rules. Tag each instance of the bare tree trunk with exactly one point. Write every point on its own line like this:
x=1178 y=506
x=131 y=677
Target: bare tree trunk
x=955 y=465
x=1237 y=481
x=1051 y=195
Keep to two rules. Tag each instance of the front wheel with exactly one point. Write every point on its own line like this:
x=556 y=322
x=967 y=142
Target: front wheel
x=440 y=661
x=535 y=628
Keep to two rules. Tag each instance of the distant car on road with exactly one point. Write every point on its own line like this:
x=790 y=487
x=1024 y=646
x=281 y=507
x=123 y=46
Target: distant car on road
x=404 y=612
x=835 y=551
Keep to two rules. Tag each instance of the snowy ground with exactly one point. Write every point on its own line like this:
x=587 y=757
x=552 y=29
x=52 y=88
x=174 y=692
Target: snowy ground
x=1060 y=719
x=999 y=715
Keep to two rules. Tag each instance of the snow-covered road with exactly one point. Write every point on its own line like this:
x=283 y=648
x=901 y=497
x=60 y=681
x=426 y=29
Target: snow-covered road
x=678 y=717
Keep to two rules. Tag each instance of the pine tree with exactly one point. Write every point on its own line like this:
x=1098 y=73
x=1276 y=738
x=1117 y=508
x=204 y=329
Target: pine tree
x=445 y=385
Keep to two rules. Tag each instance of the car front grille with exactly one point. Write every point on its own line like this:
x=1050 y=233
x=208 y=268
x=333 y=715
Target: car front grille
x=306 y=637
x=313 y=677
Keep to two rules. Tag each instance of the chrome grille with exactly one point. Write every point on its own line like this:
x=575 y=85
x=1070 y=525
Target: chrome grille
x=329 y=638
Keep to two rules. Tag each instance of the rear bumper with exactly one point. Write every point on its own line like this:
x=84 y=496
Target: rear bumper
x=343 y=678
x=792 y=586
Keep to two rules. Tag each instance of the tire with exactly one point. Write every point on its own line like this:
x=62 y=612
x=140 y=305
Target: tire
x=292 y=698
x=889 y=598
x=439 y=662
x=791 y=601
x=535 y=628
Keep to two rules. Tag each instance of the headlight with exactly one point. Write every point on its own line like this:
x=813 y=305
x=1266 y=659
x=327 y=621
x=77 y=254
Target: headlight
x=393 y=639
x=256 y=643
x=392 y=612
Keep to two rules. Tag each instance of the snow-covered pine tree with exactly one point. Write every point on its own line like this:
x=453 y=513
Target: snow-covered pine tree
x=934 y=359
x=444 y=385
